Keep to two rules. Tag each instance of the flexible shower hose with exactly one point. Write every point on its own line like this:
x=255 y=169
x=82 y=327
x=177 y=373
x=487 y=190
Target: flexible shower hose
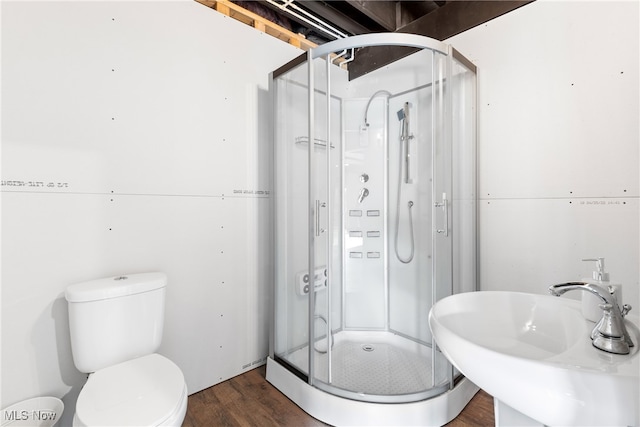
x=409 y=204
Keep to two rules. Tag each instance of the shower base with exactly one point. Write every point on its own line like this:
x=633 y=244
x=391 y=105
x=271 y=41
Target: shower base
x=372 y=364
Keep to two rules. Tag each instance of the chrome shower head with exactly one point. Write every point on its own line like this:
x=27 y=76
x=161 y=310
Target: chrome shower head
x=366 y=110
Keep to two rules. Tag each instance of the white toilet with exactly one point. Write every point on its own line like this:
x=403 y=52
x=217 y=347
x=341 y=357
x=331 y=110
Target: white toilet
x=116 y=327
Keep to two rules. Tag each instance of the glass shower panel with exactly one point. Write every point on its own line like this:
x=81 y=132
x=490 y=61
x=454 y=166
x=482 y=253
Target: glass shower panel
x=319 y=160
x=463 y=218
x=464 y=175
x=325 y=203
x=291 y=196
x=442 y=207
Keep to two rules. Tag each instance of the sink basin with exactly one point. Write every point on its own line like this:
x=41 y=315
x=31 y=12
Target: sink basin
x=534 y=354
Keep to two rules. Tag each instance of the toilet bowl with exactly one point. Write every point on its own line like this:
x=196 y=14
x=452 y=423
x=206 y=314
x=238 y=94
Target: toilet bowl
x=147 y=391
x=116 y=328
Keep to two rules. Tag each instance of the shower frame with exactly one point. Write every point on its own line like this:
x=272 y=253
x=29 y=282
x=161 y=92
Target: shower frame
x=457 y=390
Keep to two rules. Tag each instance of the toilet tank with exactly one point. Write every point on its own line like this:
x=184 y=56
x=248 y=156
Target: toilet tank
x=115 y=319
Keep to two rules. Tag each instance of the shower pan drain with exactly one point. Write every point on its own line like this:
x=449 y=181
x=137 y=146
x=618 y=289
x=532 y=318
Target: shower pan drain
x=367 y=347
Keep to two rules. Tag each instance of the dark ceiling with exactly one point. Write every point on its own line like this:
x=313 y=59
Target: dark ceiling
x=438 y=19
x=432 y=18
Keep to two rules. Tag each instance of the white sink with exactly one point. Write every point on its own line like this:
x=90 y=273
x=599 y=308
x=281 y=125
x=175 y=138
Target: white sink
x=533 y=352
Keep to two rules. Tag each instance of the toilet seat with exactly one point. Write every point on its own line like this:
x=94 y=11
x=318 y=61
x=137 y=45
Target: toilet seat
x=147 y=391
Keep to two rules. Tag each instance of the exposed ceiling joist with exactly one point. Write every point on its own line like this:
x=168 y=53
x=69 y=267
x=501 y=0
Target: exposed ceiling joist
x=412 y=10
x=331 y=14
x=438 y=19
x=451 y=19
x=349 y=16
x=382 y=12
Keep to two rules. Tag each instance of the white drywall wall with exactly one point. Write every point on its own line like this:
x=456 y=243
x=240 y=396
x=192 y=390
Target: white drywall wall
x=558 y=143
x=163 y=112
x=134 y=138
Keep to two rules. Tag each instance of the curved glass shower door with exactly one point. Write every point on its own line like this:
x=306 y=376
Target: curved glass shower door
x=375 y=220
x=307 y=201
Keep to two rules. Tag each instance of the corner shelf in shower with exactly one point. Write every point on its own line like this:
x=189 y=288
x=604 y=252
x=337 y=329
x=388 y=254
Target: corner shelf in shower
x=316 y=141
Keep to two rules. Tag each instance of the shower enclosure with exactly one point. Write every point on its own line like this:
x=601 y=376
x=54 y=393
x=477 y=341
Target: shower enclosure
x=375 y=220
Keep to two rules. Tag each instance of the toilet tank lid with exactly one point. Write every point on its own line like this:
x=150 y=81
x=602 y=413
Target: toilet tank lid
x=114 y=287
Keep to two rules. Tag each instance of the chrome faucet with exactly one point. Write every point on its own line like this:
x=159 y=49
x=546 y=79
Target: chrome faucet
x=610 y=333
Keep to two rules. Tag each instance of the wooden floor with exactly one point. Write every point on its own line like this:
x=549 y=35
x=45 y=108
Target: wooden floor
x=249 y=400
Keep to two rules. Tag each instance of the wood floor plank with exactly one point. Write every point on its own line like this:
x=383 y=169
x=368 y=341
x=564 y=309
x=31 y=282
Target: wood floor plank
x=248 y=400
x=477 y=413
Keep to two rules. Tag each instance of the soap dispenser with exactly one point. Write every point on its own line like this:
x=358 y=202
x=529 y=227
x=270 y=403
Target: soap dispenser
x=591 y=303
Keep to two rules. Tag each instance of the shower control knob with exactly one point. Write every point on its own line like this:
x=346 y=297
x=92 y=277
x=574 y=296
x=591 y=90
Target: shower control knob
x=304 y=284
x=363 y=193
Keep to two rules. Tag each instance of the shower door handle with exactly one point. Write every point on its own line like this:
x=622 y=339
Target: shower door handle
x=445 y=207
x=319 y=205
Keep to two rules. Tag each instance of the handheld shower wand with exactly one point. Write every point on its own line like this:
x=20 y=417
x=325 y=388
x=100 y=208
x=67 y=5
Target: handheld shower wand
x=405 y=136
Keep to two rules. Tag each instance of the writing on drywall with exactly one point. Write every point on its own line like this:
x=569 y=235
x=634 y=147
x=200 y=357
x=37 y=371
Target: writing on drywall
x=602 y=202
x=251 y=192
x=34 y=184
